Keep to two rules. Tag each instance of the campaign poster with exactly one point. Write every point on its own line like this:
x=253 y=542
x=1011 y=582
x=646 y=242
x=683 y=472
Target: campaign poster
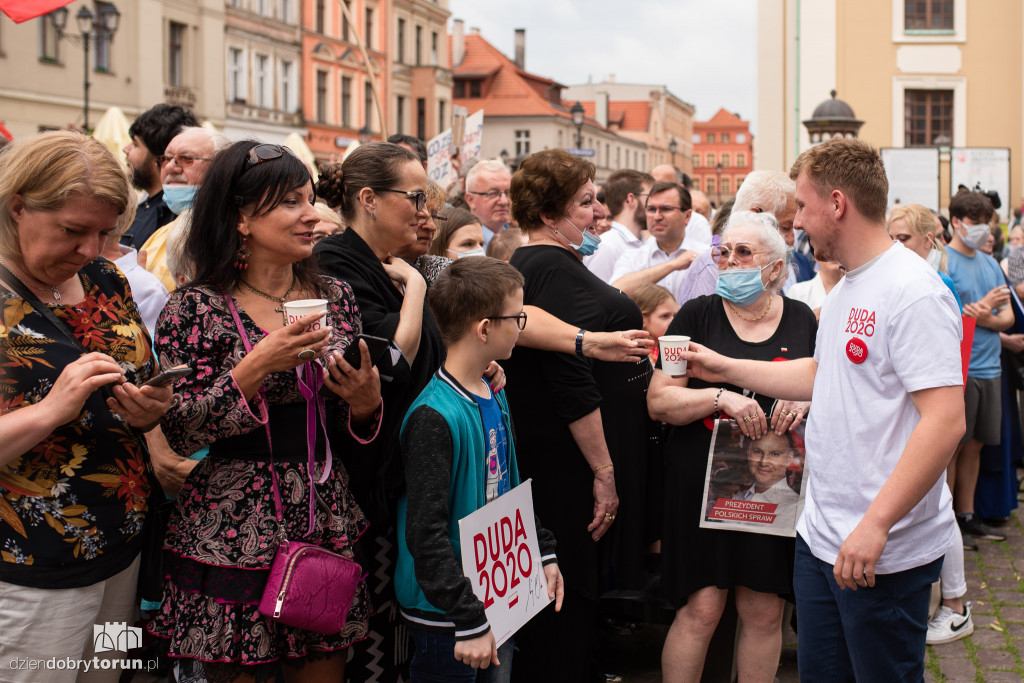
x=754 y=485
x=501 y=558
x=439 y=149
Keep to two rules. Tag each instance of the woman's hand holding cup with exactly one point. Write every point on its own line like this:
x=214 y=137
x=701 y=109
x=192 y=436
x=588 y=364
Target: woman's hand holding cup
x=280 y=350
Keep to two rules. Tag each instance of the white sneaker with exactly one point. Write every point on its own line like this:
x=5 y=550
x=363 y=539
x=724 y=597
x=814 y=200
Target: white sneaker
x=948 y=626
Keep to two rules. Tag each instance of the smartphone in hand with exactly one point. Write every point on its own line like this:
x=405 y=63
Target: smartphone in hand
x=169 y=377
x=376 y=346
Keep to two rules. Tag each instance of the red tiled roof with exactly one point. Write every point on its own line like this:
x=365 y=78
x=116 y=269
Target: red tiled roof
x=509 y=90
x=634 y=115
x=722 y=118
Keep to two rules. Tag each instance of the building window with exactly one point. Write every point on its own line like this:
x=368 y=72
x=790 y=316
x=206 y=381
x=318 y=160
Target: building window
x=421 y=118
x=368 y=105
x=725 y=137
x=709 y=159
x=433 y=49
x=401 y=41
x=286 y=11
x=400 y=115
x=522 y=143
x=102 y=40
x=288 y=89
x=739 y=182
x=419 y=45
x=710 y=184
x=459 y=90
x=928 y=118
x=321 y=96
x=48 y=40
x=344 y=20
x=236 y=75
x=346 y=101
x=442 y=116
x=710 y=137
x=741 y=159
x=928 y=15
x=261 y=7
x=368 y=29
x=474 y=88
x=725 y=186
x=262 y=82
x=726 y=159
x=320 y=11
x=696 y=161
x=175 y=50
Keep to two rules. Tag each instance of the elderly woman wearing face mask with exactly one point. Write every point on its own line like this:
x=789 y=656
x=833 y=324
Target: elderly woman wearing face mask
x=745 y=318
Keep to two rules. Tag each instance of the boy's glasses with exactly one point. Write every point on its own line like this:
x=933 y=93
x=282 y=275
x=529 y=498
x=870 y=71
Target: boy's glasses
x=419 y=197
x=520 y=319
x=744 y=254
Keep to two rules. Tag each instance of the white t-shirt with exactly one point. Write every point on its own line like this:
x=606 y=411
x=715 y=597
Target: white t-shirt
x=613 y=243
x=149 y=293
x=888 y=328
x=811 y=292
x=648 y=255
x=698 y=233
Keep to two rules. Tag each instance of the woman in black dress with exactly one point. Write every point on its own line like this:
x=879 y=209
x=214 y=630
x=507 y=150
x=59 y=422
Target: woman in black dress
x=746 y=318
x=582 y=427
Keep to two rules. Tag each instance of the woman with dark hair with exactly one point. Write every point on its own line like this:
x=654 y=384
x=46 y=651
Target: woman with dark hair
x=460 y=235
x=582 y=425
x=255 y=399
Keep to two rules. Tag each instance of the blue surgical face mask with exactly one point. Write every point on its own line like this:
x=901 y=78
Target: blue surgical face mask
x=179 y=197
x=590 y=241
x=741 y=286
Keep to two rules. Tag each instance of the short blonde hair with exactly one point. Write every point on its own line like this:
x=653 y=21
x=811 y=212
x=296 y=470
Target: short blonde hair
x=919 y=220
x=328 y=215
x=49 y=169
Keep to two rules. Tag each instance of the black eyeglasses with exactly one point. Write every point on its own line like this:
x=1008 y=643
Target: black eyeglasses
x=183 y=160
x=492 y=194
x=520 y=319
x=266 y=152
x=419 y=197
x=439 y=216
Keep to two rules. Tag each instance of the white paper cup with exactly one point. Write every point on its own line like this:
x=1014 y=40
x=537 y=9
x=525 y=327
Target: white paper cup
x=670 y=354
x=303 y=307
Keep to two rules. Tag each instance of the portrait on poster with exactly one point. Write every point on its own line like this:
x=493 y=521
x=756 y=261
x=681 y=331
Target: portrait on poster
x=754 y=485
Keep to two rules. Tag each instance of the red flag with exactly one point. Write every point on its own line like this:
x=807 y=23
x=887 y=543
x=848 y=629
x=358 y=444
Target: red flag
x=6 y=133
x=23 y=10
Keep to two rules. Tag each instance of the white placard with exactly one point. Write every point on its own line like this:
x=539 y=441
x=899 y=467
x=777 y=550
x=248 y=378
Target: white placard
x=501 y=558
x=913 y=175
x=989 y=166
x=439 y=163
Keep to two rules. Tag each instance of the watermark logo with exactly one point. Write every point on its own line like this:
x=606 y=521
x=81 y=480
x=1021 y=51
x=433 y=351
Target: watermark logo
x=117 y=636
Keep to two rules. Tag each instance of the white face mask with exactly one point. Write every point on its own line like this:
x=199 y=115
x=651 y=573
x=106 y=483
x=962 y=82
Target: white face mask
x=934 y=258
x=976 y=235
x=471 y=252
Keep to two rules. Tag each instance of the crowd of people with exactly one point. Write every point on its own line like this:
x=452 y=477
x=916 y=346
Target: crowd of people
x=469 y=339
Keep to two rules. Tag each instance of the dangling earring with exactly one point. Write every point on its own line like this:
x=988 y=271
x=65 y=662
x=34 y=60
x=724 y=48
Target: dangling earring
x=373 y=215
x=242 y=256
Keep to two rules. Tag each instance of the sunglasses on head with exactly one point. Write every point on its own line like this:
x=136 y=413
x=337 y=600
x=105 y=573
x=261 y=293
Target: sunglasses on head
x=266 y=152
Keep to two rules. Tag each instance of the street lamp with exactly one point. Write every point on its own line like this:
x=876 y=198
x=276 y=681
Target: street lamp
x=672 y=147
x=504 y=156
x=718 y=185
x=577 y=120
x=90 y=28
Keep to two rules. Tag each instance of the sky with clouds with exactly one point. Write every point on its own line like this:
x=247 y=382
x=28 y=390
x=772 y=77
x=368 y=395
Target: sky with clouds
x=705 y=51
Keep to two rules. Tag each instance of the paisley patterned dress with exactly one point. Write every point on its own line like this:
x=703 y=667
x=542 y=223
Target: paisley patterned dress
x=221 y=538
x=72 y=508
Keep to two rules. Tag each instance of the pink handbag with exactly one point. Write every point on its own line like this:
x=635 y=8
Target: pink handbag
x=309 y=587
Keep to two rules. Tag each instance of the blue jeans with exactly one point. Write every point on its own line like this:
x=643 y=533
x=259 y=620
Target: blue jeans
x=870 y=634
x=433 y=660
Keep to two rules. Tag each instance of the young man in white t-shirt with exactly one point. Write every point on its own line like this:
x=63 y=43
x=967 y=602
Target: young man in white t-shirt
x=886 y=418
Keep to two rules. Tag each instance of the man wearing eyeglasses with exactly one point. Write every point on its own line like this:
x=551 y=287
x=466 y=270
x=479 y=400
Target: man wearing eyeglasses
x=487 y=187
x=182 y=169
x=663 y=258
x=150 y=134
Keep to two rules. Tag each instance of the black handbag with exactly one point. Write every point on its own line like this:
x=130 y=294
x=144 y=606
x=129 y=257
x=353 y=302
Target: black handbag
x=155 y=527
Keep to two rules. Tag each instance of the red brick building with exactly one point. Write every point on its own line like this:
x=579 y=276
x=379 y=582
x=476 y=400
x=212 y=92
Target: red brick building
x=723 y=155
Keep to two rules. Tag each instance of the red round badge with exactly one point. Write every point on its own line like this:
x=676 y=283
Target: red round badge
x=856 y=351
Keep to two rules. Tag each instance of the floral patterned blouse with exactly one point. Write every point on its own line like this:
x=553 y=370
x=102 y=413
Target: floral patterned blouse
x=196 y=328
x=72 y=507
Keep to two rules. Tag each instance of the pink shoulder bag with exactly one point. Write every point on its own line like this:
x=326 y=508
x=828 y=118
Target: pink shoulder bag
x=309 y=587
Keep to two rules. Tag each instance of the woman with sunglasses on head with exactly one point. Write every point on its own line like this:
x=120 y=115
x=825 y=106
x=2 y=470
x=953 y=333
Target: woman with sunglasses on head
x=418 y=253
x=75 y=478
x=276 y=404
x=745 y=318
